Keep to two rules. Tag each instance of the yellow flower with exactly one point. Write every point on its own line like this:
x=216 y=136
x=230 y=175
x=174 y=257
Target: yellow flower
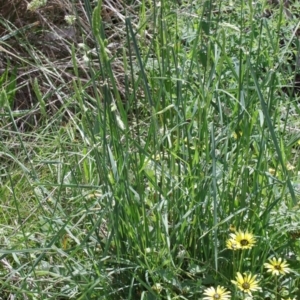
x=247 y=283
x=232 y=228
x=277 y=266
x=272 y=171
x=232 y=244
x=237 y=134
x=157 y=287
x=219 y=293
x=245 y=240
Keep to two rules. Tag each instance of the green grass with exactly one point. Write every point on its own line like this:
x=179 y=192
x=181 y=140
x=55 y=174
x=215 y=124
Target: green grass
x=128 y=192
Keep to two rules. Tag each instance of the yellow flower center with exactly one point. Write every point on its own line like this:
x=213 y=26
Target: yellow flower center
x=246 y=285
x=244 y=242
x=216 y=296
x=277 y=267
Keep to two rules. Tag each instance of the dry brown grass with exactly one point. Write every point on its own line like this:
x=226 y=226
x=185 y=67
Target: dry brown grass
x=43 y=52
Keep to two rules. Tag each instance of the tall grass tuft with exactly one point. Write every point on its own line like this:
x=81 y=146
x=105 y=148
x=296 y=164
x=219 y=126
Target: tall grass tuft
x=171 y=175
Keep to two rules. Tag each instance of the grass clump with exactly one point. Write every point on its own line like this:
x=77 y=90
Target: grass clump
x=158 y=159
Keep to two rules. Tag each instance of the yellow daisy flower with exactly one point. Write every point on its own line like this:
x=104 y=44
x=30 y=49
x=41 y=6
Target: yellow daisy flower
x=246 y=240
x=157 y=287
x=277 y=266
x=232 y=228
x=246 y=283
x=220 y=293
x=232 y=244
x=272 y=171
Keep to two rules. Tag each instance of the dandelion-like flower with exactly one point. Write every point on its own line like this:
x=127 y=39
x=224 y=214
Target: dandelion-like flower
x=277 y=266
x=232 y=244
x=220 y=293
x=272 y=171
x=245 y=240
x=246 y=283
x=232 y=228
x=157 y=287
